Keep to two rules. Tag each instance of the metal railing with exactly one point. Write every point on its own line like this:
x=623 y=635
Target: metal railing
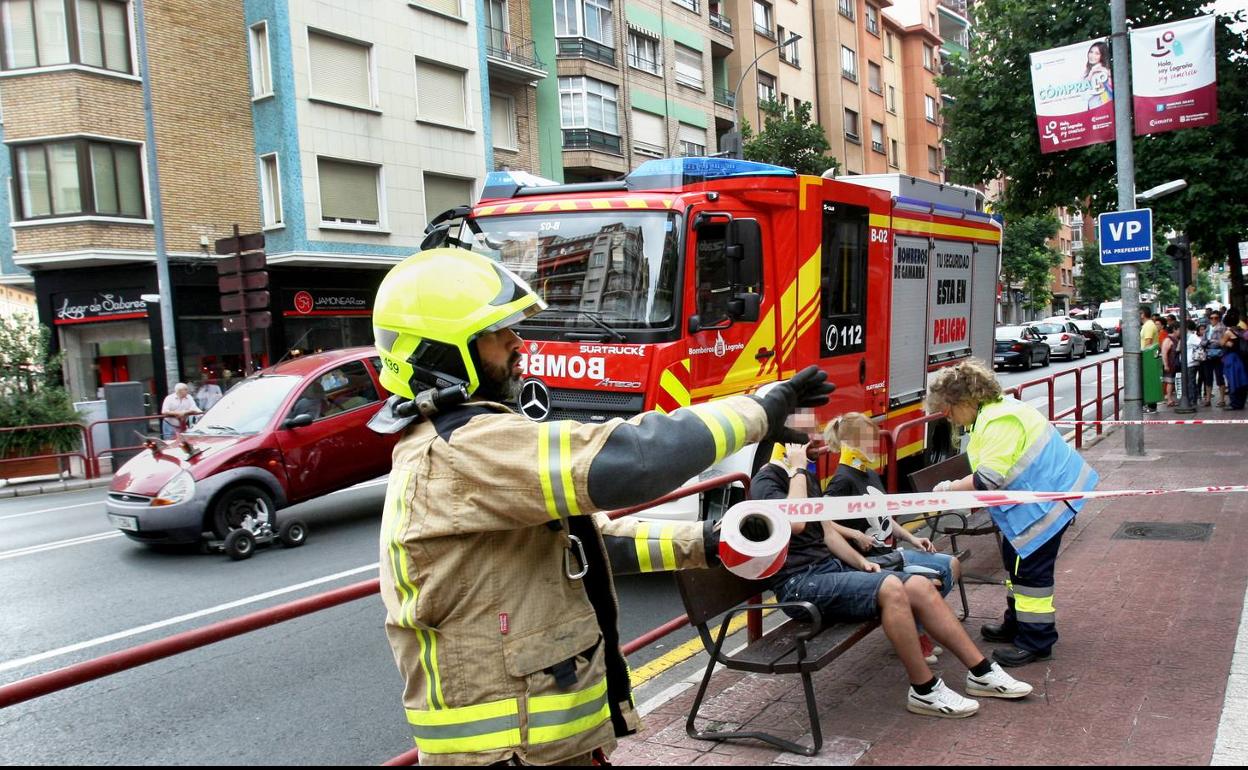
x=721 y=22
x=725 y=97
x=692 y=5
x=133 y=657
x=60 y=457
x=89 y=456
x=584 y=48
x=590 y=139
x=513 y=48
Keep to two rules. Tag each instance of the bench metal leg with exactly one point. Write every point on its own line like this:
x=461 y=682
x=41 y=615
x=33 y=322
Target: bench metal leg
x=811 y=710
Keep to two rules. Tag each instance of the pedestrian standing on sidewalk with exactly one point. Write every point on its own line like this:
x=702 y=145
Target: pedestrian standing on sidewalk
x=1204 y=371
x=1234 y=367
x=1193 y=357
x=1014 y=447
x=1169 y=364
x=176 y=408
x=1213 y=344
x=844 y=585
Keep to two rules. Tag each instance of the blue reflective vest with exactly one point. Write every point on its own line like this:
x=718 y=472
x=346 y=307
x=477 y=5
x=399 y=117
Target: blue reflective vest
x=1044 y=463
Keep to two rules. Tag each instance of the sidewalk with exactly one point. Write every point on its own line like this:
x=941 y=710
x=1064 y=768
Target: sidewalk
x=1148 y=633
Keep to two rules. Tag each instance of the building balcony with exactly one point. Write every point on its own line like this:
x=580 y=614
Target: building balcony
x=692 y=5
x=584 y=48
x=590 y=139
x=721 y=22
x=955 y=6
x=512 y=58
x=725 y=97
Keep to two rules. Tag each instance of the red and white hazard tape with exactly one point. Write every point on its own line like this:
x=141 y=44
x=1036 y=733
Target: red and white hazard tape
x=761 y=559
x=1149 y=422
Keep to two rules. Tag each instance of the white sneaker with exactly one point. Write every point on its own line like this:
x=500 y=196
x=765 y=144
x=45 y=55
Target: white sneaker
x=941 y=702
x=996 y=684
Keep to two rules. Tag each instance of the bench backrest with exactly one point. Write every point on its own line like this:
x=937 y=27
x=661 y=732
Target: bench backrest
x=954 y=468
x=710 y=592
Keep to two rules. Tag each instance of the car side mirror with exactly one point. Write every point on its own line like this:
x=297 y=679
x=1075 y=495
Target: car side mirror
x=298 y=421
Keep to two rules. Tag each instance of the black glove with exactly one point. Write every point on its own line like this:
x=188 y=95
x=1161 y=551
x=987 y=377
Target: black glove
x=807 y=388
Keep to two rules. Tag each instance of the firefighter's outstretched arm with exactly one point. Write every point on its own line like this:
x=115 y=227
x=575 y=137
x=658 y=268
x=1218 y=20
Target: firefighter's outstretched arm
x=645 y=458
x=635 y=545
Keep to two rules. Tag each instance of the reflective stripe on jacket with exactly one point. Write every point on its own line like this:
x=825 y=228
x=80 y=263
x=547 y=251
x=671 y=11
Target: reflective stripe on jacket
x=502 y=652
x=1039 y=460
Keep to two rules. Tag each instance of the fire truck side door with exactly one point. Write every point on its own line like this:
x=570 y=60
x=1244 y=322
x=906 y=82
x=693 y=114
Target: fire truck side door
x=723 y=360
x=843 y=296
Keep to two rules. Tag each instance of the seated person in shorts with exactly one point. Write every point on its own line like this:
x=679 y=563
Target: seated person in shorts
x=824 y=569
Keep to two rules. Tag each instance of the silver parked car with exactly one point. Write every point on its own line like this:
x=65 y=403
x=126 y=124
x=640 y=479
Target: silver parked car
x=1064 y=338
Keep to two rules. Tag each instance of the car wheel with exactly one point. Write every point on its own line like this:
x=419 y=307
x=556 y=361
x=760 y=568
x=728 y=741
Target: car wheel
x=1048 y=357
x=293 y=533
x=240 y=545
x=235 y=504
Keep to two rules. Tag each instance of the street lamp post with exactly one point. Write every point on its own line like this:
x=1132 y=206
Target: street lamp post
x=735 y=147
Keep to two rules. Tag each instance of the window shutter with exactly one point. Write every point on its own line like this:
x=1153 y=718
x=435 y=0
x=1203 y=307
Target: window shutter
x=502 y=122
x=440 y=92
x=688 y=65
x=90 y=47
x=348 y=191
x=340 y=70
x=449 y=7
x=116 y=37
x=444 y=192
x=649 y=133
x=692 y=135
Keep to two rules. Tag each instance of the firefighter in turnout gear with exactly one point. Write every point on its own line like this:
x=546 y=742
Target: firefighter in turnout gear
x=496 y=561
x=1013 y=446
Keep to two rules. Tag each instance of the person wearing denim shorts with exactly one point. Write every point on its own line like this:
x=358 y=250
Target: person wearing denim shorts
x=823 y=569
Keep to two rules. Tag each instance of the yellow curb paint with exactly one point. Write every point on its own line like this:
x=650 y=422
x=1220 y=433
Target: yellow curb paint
x=678 y=655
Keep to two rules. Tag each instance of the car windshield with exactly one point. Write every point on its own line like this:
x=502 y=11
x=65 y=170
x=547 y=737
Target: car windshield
x=248 y=407
x=1009 y=332
x=1111 y=312
x=1050 y=328
x=617 y=267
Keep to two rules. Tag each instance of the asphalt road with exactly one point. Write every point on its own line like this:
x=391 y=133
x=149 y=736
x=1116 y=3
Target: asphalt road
x=318 y=690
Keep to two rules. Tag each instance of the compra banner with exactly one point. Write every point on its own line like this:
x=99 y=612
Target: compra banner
x=1174 y=76
x=1074 y=93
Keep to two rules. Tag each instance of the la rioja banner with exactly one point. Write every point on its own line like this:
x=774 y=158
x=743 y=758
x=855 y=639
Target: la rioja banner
x=1073 y=88
x=1173 y=76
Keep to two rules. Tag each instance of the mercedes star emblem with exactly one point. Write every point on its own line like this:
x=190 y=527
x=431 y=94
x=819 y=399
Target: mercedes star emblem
x=535 y=400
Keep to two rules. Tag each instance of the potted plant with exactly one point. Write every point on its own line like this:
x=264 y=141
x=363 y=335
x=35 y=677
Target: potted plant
x=31 y=394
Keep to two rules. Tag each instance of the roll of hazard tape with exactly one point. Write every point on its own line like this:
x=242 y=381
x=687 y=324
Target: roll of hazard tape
x=747 y=557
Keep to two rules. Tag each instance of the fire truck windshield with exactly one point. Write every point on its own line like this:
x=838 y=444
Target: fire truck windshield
x=620 y=267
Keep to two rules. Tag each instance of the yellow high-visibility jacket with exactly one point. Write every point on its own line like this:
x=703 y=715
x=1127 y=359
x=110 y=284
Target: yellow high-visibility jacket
x=504 y=649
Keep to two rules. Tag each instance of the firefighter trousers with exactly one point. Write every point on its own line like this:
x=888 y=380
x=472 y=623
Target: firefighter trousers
x=1029 y=611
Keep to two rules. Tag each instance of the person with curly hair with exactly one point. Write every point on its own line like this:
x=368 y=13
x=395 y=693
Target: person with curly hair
x=1013 y=446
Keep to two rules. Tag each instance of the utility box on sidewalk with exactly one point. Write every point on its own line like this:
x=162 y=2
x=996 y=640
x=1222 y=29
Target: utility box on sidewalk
x=125 y=399
x=1150 y=364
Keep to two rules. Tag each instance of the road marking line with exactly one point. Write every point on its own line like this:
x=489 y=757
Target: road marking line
x=363 y=485
x=33 y=549
x=58 y=652
x=49 y=510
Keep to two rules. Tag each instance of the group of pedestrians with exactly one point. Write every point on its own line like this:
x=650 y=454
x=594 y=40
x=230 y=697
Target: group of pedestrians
x=1215 y=356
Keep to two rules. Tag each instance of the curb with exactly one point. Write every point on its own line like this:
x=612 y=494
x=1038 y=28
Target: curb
x=69 y=485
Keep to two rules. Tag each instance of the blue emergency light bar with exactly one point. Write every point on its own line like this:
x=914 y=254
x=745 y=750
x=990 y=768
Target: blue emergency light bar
x=672 y=173
x=507 y=184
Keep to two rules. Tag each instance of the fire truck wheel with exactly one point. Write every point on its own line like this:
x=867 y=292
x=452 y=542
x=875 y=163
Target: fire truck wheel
x=240 y=544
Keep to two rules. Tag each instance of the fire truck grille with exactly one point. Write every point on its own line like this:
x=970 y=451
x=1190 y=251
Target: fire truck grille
x=593 y=406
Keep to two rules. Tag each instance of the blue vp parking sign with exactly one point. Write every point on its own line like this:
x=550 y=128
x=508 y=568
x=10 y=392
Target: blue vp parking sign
x=1125 y=236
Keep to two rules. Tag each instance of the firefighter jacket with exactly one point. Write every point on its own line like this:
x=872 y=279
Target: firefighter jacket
x=1014 y=447
x=496 y=569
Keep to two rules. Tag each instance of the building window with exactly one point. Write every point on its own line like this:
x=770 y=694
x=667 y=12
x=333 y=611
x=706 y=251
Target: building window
x=846 y=7
x=441 y=94
x=448 y=7
x=443 y=193
x=877 y=137
x=789 y=53
x=270 y=190
x=888 y=46
x=503 y=122
x=341 y=70
x=649 y=134
x=933 y=160
x=645 y=53
x=79 y=177
x=688 y=66
x=766 y=88
x=929 y=108
x=350 y=193
x=592 y=19
x=928 y=56
x=588 y=103
x=849 y=63
x=873 y=20
x=764 y=23
x=851 y=125
x=45 y=33
x=692 y=140
x=874 y=78
x=892 y=100
x=892 y=160
x=261 y=63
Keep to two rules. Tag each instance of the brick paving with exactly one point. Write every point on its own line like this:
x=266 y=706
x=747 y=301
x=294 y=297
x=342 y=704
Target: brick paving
x=1140 y=675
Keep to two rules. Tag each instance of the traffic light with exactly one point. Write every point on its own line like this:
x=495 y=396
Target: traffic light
x=1180 y=251
x=243 y=282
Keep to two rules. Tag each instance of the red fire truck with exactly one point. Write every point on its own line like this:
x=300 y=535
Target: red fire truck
x=697 y=278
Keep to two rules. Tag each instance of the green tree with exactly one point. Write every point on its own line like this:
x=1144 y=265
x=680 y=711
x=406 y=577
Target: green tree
x=1205 y=292
x=1096 y=283
x=1026 y=258
x=30 y=391
x=990 y=127
x=788 y=139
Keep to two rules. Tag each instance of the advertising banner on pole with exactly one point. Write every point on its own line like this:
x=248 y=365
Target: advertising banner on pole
x=1074 y=94
x=1173 y=76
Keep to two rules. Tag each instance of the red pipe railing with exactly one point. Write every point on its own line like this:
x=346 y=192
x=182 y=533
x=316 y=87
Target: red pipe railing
x=84 y=455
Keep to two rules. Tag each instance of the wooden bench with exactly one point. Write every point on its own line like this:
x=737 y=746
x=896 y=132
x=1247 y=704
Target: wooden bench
x=794 y=647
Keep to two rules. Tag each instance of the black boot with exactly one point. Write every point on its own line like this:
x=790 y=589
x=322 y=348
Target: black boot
x=997 y=632
x=1012 y=657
